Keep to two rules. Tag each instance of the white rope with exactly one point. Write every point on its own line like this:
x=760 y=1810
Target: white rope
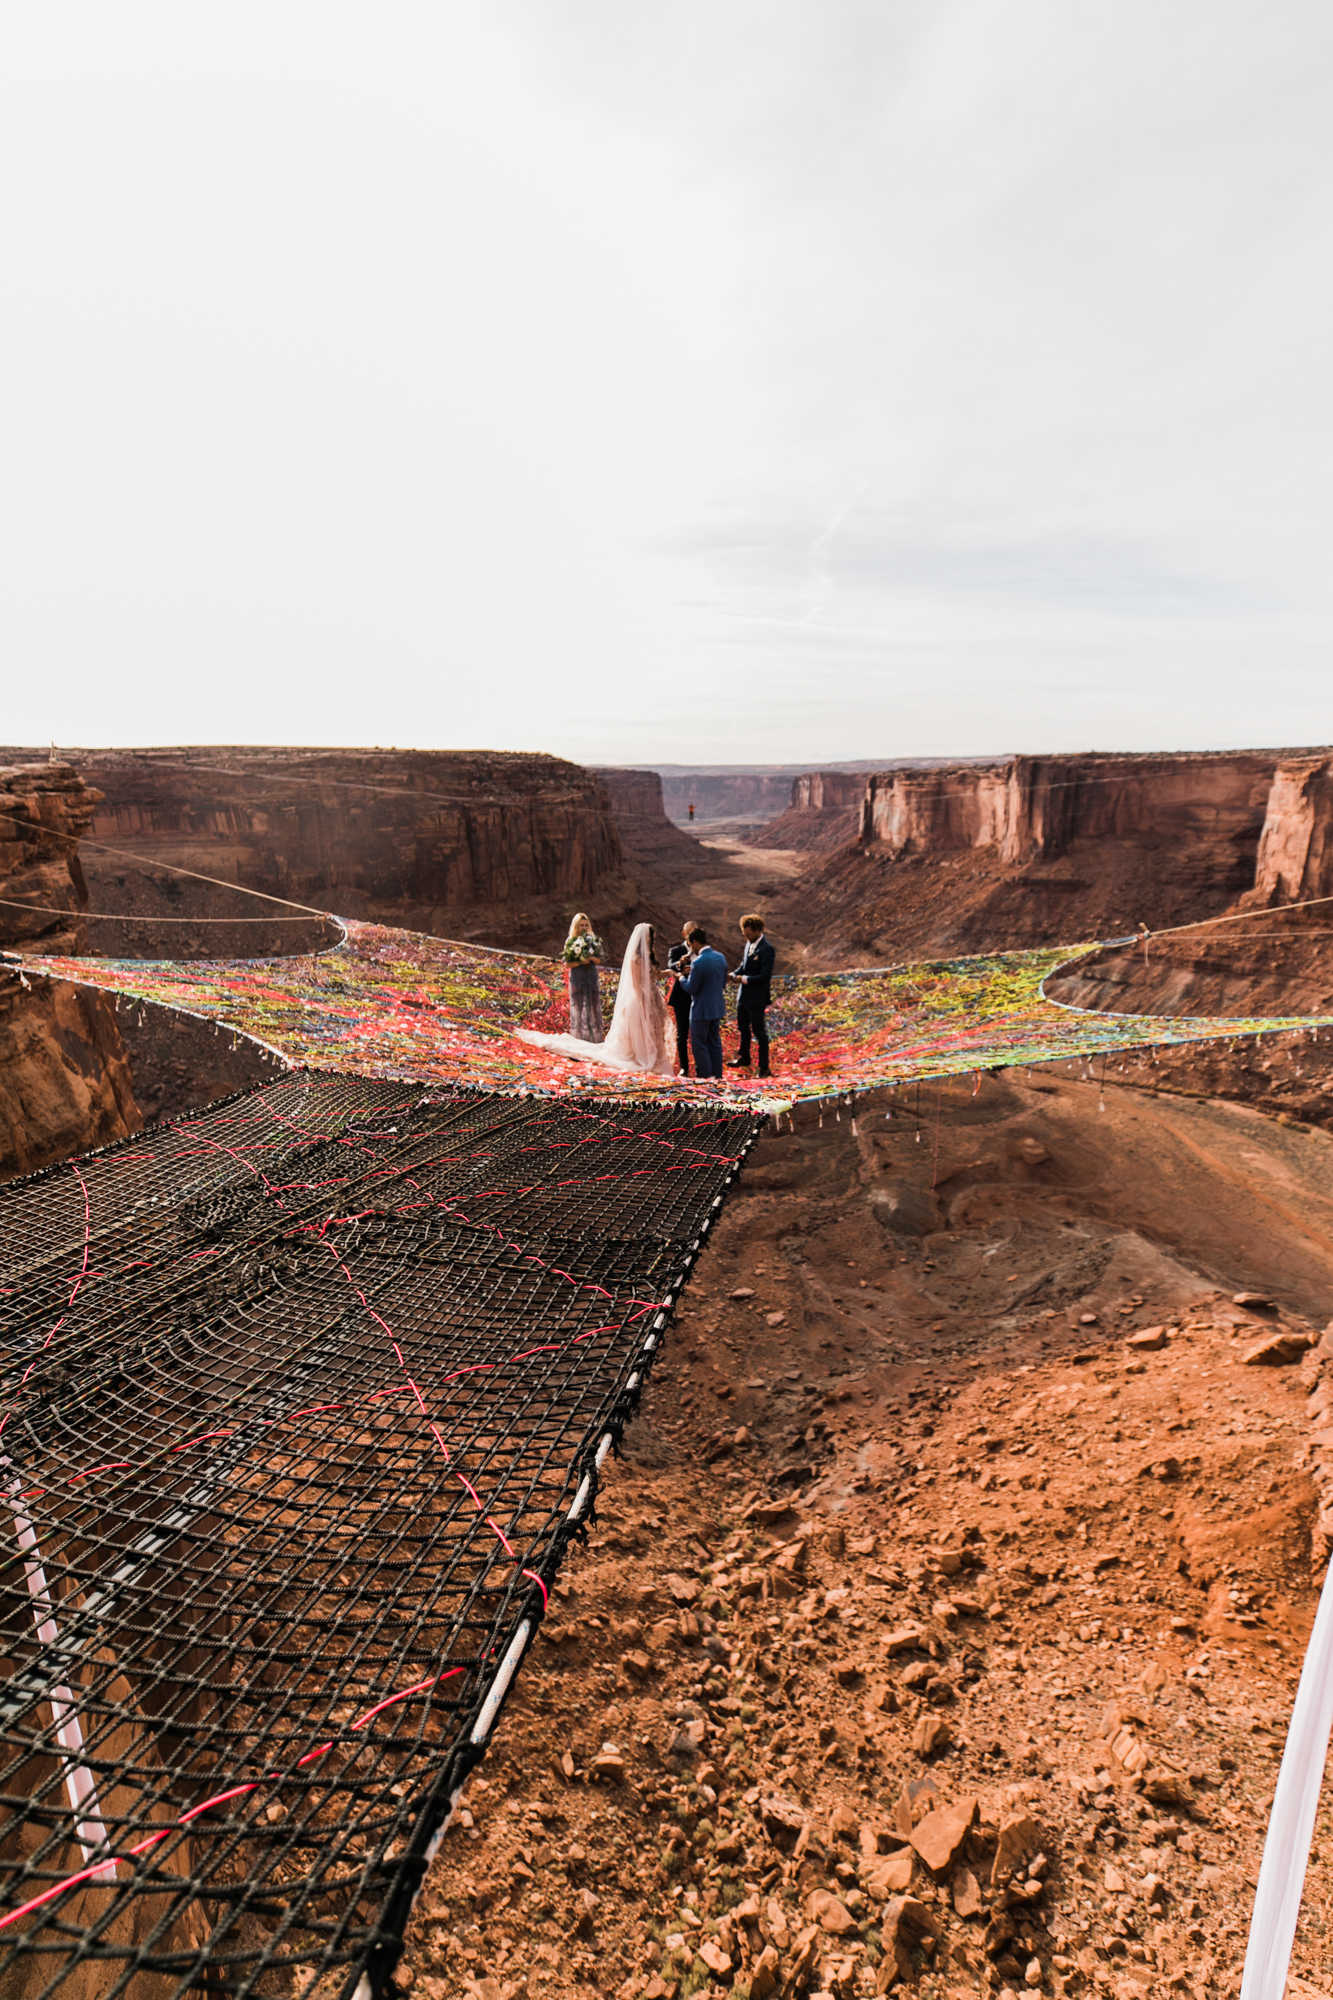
x=1277 y=1903
x=80 y=1783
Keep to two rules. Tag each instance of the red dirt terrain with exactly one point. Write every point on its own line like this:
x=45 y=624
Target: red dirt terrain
x=945 y=1611
x=942 y=1618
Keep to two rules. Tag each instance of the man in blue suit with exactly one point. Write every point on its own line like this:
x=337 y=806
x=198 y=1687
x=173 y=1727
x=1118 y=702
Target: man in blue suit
x=707 y=988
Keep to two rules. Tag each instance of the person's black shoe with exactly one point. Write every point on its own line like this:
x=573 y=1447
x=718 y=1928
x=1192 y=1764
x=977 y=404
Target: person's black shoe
x=765 y=1072
x=736 y=1063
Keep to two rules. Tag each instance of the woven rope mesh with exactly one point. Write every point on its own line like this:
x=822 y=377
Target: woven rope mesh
x=298 y=1398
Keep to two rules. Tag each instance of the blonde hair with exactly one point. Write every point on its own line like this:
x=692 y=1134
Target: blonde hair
x=752 y=922
x=578 y=923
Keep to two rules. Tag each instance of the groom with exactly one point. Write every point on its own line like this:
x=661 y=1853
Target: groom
x=707 y=988
x=755 y=973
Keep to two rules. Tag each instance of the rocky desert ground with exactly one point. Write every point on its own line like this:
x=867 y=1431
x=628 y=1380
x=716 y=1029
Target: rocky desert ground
x=942 y=1617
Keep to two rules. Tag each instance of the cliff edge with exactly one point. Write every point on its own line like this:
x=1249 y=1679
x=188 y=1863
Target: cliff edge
x=488 y=846
x=1039 y=850
x=65 y=1080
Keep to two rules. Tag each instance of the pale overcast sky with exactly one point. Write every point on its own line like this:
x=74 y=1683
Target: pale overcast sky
x=734 y=379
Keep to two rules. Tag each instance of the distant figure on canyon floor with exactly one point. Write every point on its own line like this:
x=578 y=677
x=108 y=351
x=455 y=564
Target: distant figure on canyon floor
x=639 y=1037
x=582 y=954
x=754 y=975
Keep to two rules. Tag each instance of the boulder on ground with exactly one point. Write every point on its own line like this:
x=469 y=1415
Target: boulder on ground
x=932 y=1733
x=1276 y=1350
x=939 y=1836
x=1019 y=1842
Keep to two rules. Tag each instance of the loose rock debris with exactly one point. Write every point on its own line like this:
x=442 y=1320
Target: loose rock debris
x=972 y=1677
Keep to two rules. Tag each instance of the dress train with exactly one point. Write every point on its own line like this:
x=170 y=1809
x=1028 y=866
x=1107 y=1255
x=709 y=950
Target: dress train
x=638 y=1037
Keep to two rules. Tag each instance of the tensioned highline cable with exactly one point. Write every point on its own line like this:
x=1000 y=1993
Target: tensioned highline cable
x=301 y=1401
x=132 y=917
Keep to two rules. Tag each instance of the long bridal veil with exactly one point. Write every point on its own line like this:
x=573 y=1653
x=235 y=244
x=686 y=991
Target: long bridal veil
x=637 y=1037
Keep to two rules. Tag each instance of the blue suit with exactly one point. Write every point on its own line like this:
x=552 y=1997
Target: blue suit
x=707 y=988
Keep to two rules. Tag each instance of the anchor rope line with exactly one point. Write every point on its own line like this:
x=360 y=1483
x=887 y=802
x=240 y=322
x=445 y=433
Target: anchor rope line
x=305 y=1397
x=1237 y=917
x=34 y=827
x=134 y=917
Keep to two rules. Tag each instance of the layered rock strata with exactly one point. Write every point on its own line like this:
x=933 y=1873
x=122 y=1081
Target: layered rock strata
x=826 y=811
x=1034 y=850
x=44 y=810
x=1295 y=857
x=649 y=837
x=1033 y=808
x=65 y=1079
x=741 y=794
x=633 y=794
x=489 y=846
x=444 y=829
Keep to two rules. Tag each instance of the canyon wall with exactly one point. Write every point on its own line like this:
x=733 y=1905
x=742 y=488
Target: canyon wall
x=759 y=792
x=387 y=828
x=824 y=791
x=1295 y=857
x=633 y=794
x=1037 y=807
x=490 y=846
x=1034 y=850
x=825 y=812
x=65 y=1080
x=753 y=794
x=650 y=839
x=44 y=810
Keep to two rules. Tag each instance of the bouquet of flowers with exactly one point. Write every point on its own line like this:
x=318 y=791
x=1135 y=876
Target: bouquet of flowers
x=583 y=949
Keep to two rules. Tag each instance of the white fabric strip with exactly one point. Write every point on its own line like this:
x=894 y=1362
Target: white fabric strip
x=490 y=1708
x=1277 y=1903
x=79 y=1781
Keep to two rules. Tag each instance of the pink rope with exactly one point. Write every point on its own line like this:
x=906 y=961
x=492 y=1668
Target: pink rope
x=74 y=1289
x=406 y=1388
x=110 y=1862
x=438 y=1435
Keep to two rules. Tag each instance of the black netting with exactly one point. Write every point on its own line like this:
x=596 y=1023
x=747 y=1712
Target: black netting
x=303 y=1398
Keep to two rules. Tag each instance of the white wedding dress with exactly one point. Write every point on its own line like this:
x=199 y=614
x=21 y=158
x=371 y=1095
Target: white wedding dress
x=638 y=1037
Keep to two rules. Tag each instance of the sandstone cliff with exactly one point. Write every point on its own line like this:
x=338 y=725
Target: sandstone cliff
x=65 y=1082
x=1034 y=808
x=1032 y=850
x=490 y=846
x=756 y=793
x=649 y=837
x=44 y=809
x=1295 y=857
x=633 y=794
x=444 y=829
x=743 y=793
x=827 y=810
x=64 y=1074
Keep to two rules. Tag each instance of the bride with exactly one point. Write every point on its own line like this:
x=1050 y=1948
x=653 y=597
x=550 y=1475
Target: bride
x=638 y=1036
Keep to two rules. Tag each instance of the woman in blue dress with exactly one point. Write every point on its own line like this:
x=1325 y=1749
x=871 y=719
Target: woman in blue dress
x=582 y=954
x=639 y=1038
